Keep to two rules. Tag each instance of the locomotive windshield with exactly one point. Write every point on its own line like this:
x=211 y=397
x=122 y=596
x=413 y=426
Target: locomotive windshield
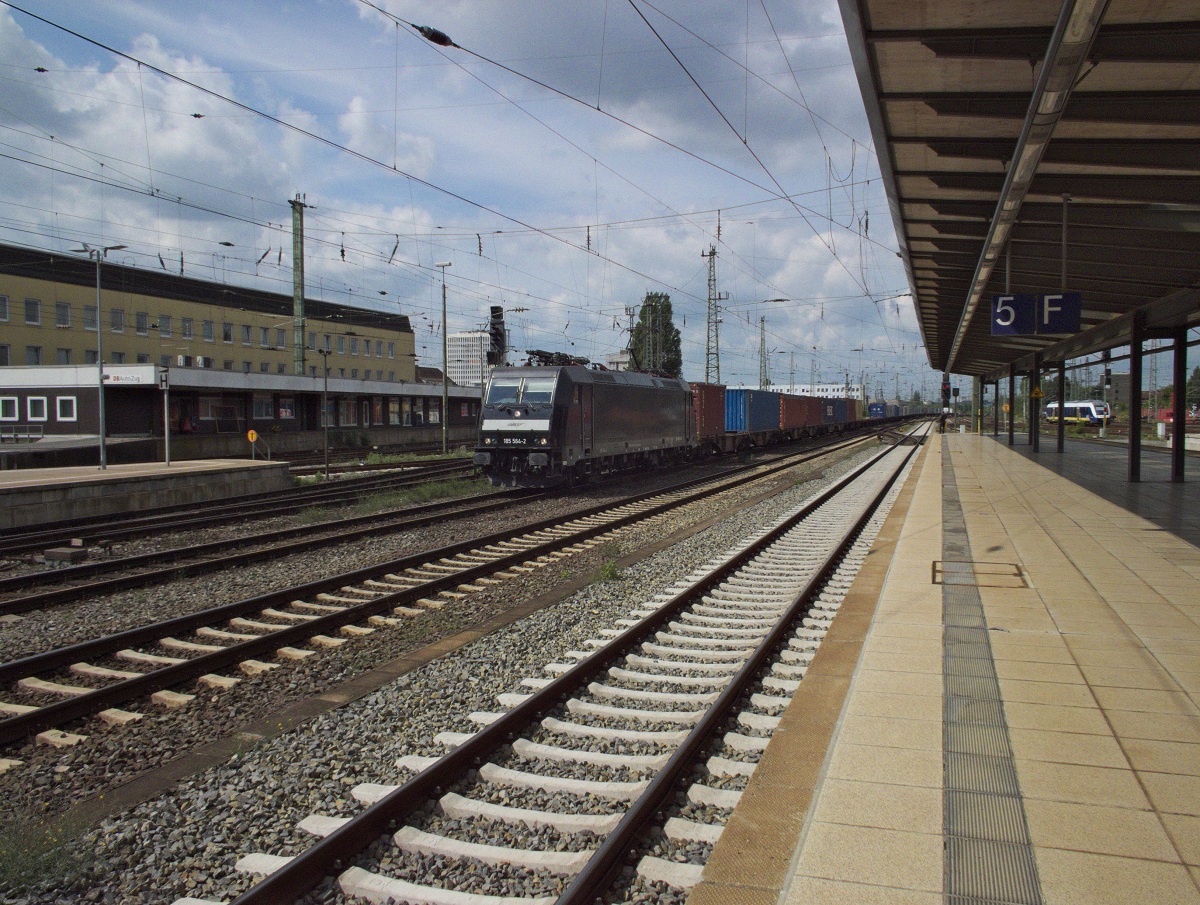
x=503 y=392
x=520 y=391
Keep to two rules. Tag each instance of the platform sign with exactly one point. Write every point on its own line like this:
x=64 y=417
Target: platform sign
x=252 y=435
x=1026 y=314
x=1013 y=315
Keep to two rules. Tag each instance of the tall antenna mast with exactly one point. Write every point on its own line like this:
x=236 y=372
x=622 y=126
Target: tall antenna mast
x=764 y=370
x=712 y=349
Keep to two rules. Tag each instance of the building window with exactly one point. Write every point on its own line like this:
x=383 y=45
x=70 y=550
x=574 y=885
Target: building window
x=33 y=312
x=3 y=309
x=89 y=356
x=245 y=367
x=141 y=321
x=247 y=334
x=35 y=408
x=62 y=314
x=287 y=408
x=62 y=356
x=185 y=326
x=379 y=348
x=226 y=333
x=264 y=367
x=264 y=337
x=5 y=356
x=66 y=408
x=280 y=338
x=228 y=364
x=33 y=355
x=391 y=350
x=164 y=325
x=392 y=376
x=89 y=317
x=118 y=358
x=354 y=346
x=143 y=358
x=379 y=375
x=328 y=343
x=164 y=361
x=341 y=345
x=207 y=332
x=264 y=409
x=281 y=368
x=117 y=320
x=312 y=341
x=8 y=408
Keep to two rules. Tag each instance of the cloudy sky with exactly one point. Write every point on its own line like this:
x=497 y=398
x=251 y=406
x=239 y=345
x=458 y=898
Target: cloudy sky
x=566 y=158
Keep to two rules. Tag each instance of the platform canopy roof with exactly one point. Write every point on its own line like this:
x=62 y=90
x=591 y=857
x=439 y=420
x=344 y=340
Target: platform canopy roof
x=987 y=114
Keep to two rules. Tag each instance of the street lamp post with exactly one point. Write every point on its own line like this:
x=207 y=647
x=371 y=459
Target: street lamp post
x=445 y=363
x=99 y=254
x=324 y=353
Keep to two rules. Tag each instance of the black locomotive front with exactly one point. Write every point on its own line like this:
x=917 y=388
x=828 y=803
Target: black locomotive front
x=543 y=426
x=515 y=446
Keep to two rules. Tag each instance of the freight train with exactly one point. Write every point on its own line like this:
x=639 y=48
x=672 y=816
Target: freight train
x=544 y=426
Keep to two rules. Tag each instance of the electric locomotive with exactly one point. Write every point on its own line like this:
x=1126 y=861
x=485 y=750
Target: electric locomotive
x=544 y=426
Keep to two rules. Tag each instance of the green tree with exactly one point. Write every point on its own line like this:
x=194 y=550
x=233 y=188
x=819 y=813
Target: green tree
x=655 y=344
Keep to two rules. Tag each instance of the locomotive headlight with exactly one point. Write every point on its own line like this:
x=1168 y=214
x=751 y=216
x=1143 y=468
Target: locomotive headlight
x=544 y=441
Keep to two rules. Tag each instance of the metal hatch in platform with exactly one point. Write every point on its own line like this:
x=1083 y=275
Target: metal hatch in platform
x=979 y=574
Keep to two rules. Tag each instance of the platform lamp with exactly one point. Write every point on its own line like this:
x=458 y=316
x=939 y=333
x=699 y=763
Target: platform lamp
x=445 y=363
x=324 y=353
x=99 y=254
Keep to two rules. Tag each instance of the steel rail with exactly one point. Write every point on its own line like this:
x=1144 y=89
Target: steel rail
x=305 y=871
x=62 y=712
x=96 y=528
x=202 y=560
x=200 y=564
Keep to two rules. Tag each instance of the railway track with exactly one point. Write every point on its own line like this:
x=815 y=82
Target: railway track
x=547 y=798
x=95 y=530
x=40 y=590
x=31 y=591
x=54 y=689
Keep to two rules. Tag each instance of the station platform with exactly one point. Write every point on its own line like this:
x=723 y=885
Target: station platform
x=1005 y=708
x=36 y=496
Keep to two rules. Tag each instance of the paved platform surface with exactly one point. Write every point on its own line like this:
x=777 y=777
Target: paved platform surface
x=1005 y=710
x=74 y=474
x=37 y=496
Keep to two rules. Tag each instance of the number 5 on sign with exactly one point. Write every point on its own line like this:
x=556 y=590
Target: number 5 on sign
x=1013 y=315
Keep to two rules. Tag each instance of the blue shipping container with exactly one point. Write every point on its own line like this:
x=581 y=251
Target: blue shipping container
x=751 y=411
x=877 y=410
x=834 y=411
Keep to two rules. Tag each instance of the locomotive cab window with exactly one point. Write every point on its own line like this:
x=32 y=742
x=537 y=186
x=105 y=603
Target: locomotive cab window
x=503 y=392
x=537 y=389
x=521 y=391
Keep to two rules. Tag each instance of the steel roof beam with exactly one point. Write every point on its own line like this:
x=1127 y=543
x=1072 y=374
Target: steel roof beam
x=1078 y=23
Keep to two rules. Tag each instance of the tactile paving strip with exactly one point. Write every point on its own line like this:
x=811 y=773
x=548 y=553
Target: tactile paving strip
x=988 y=856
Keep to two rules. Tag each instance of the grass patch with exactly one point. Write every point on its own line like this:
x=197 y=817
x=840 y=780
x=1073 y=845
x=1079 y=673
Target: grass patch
x=34 y=852
x=422 y=493
x=609 y=570
x=377 y=458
